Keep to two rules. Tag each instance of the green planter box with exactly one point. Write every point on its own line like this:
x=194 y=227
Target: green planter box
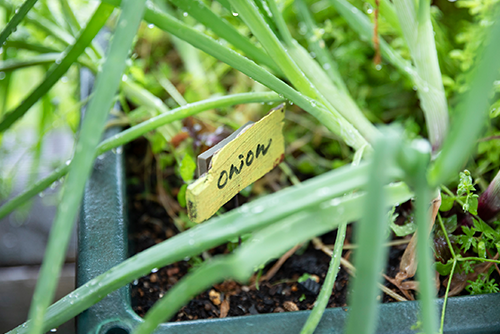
x=103 y=243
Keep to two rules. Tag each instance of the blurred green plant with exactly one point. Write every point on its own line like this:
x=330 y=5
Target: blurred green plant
x=302 y=58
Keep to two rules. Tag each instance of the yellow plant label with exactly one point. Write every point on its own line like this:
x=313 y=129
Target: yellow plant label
x=255 y=150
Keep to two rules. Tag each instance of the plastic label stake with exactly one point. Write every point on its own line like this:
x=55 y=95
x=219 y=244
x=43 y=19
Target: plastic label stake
x=235 y=163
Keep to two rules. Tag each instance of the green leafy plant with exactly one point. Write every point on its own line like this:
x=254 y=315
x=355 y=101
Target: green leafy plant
x=397 y=167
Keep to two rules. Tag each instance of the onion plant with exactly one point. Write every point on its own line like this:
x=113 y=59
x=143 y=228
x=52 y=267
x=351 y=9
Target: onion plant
x=395 y=168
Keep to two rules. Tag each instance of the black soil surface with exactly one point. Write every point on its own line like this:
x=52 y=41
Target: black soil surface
x=151 y=224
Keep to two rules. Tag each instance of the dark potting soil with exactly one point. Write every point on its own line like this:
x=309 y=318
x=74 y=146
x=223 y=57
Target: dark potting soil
x=150 y=224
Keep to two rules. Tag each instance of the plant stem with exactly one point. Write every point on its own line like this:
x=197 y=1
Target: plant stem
x=470 y=258
x=11 y=26
x=42 y=59
x=445 y=301
x=107 y=83
x=417 y=30
x=203 y=14
x=280 y=23
x=370 y=235
x=317 y=44
x=425 y=269
x=446 y=236
x=326 y=290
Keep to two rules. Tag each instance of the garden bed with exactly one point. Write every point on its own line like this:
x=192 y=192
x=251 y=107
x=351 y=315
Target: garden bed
x=151 y=223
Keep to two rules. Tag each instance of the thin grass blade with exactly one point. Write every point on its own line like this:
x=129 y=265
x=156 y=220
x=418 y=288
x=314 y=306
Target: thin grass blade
x=317 y=44
x=42 y=59
x=426 y=269
x=339 y=99
x=419 y=35
x=69 y=16
x=11 y=26
x=250 y=14
x=203 y=14
x=371 y=232
x=107 y=83
x=72 y=53
x=326 y=290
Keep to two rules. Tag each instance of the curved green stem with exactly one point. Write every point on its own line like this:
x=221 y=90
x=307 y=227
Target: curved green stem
x=20 y=13
x=426 y=268
x=445 y=301
x=42 y=59
x=371 y=232
x=326 y=290
x=203 y=14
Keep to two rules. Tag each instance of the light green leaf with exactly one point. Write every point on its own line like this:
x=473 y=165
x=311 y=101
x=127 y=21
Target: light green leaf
x=444 y=269
x=187 y=168
x=446 y=203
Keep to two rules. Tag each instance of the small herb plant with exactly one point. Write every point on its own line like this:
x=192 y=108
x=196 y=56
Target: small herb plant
x=287 y=55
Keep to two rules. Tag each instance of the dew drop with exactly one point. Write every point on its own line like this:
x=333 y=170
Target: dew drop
x=154 y=270
x=151 y=26
x=2 y=75
x=185 y=14
x=258 y=209
x=124 y=77
x=378 y=67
